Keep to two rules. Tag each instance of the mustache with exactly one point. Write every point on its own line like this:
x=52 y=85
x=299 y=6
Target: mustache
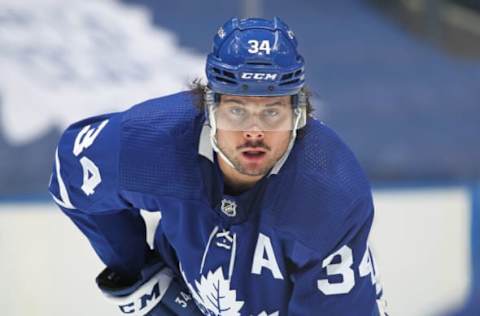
x=254 y=144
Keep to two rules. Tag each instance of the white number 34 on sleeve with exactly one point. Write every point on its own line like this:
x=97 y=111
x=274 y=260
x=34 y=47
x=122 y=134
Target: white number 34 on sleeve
x=344 y=269
x=91 y=173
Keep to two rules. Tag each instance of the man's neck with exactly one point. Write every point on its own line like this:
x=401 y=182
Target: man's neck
x=234 y=180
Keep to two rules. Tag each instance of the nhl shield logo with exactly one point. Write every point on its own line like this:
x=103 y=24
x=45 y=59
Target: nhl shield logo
x=229 y=208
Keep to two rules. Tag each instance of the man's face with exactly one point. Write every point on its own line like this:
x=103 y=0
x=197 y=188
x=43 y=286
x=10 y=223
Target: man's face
x=254 y=132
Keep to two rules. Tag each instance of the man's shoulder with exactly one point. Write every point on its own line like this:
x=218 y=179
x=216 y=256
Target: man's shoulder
x=141 y=149
x=167 y=113
x=159 y=146
x=326 y=191
x=322 y=161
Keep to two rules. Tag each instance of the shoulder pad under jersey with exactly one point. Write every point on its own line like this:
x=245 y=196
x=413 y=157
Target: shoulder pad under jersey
x=85 y=171
x=150 y=148
x=328 y=194
x=159 y=153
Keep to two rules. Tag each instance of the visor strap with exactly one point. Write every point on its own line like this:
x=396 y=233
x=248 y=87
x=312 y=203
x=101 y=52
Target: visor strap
x=213 y=136
x=278 y=165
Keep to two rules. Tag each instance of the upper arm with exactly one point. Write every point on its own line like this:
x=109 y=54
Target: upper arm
x=342 y=280
x=85 y=172
x=84 y=183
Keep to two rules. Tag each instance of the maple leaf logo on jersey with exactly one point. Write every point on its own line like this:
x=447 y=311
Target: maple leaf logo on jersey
x=214 y=296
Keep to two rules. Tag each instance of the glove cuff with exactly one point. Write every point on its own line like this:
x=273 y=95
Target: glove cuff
x=141 y=297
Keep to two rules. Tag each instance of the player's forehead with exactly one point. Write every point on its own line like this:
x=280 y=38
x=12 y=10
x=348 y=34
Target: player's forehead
x=269 y=100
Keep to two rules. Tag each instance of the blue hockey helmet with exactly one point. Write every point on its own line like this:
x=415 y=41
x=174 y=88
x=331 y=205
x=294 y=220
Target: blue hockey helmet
x=255 y=57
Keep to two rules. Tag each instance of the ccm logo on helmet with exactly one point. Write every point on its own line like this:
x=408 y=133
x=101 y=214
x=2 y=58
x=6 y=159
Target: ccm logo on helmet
x=258 y=76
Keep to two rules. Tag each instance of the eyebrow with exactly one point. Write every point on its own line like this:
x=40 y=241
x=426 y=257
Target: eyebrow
x=276 y=103
x=234 y=101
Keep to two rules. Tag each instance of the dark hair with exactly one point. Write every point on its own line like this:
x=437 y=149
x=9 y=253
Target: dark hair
x=198 y=89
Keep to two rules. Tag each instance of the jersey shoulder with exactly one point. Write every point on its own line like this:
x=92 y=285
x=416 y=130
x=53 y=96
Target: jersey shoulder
x=159 y=147
x=329 y=196
x=85 y=162
x=100 y=157
x=323 y=161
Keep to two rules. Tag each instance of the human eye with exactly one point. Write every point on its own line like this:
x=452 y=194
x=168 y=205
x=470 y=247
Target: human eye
x=271 y=113
x=237 y=111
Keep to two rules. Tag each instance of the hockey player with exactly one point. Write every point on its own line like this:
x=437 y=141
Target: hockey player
x=264 y=210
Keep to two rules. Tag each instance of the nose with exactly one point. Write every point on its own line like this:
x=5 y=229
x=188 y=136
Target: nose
x=253 y=134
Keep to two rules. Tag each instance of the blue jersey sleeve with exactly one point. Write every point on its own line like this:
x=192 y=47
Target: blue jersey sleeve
x=84 y=184
x=86 y=166
x=109 y=167
x=343 y=282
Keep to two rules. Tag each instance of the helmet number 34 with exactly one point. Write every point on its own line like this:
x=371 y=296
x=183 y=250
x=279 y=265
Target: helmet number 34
x=259 y=47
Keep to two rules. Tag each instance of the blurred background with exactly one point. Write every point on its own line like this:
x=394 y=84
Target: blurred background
x=398 y=80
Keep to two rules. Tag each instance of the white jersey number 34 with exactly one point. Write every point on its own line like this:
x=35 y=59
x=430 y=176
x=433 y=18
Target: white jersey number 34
x=344 y=268
x=91 y=173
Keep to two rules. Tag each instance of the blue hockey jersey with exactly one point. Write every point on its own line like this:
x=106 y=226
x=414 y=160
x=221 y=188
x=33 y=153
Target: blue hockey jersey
x=294 y=244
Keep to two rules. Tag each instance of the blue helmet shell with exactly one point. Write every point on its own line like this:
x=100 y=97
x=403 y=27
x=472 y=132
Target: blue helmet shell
x=255 y=57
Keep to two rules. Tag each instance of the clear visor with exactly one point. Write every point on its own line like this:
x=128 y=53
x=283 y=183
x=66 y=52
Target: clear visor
x=234 y=116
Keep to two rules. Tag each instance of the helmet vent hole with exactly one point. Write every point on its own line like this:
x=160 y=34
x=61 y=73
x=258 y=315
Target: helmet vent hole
x=258 y=63
x=287 y=76
x=289 y=82
x=216 y=70
x=225 y=80
x=298 y=72
x=229 y=74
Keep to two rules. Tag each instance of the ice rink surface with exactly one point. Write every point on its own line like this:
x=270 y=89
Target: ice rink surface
x=420 y=238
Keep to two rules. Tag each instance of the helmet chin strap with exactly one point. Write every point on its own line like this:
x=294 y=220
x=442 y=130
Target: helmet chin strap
x=281 y=161
x=213 y=137
x=278 y=164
